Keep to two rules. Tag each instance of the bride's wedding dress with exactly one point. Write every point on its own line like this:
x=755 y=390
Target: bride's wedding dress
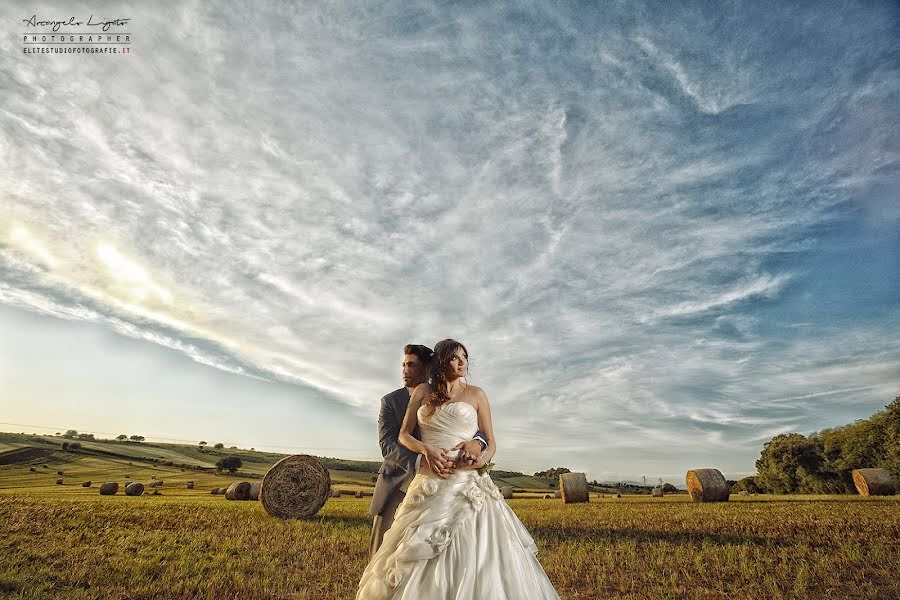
x=455 y=538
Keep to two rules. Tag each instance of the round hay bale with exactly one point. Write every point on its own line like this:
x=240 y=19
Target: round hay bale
x=707 y=485
x=507 y=491
x=158 y=482
x=59 y=481
x=214 y=491
x=58 y=472
x=254 y=491
x=573 y=488
x=190 y=485
x=109 y=488
x=239 y=490
x=127 y=483
x=657 y=492
x=295 y=487
x=358 y=494
x=547 y=496
x=873 y=482
x=134 y=489
x=86 y=484
x=222 y=491
x=335 y=493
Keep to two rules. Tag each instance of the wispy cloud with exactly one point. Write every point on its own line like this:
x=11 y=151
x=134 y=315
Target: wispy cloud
x=624 y=220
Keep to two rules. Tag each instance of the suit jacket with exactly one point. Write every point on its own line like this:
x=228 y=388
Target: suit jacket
x=399 y=462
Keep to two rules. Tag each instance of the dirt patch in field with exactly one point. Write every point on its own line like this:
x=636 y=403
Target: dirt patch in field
x=23 y=455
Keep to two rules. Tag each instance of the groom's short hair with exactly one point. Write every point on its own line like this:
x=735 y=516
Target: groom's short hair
x=424 y=353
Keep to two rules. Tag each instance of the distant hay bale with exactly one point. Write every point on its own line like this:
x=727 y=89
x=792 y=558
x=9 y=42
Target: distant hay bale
x=109 y=488
x=507 y=491
x=707 y=485
x=134 y=489
x=33 y=470
x=873 y=482
x=127 y=483
x=657 y=492
x=573 y=488
x=239 y=490
x=59 y=481
x=335 y=493
x=190 y=485
x=295 y=487
x=58 y=472
x=214 y=491
x=547 y=496
x=222 y=491
x=86 y=484
x=254 y=491
x=617 y=495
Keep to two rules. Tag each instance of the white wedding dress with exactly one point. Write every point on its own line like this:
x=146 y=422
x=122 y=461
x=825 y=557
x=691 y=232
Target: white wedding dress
x=455 y=538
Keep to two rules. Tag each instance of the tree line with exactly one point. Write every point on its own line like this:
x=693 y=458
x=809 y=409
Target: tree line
x=823 y=462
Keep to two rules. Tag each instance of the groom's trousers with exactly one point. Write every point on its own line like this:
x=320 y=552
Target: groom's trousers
x=383 y=522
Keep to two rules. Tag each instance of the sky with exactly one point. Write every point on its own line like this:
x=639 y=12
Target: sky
x=665 y=233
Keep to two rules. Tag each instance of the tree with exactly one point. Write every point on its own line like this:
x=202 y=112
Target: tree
x=668 y=488
x=791 y=462
x=121 y=437
x=552 y=473
x=85 y=436
x=219 y=445
x=747 y=484
x=201 y=444
x=137 y=438
x=70 y=433
x=229 y=463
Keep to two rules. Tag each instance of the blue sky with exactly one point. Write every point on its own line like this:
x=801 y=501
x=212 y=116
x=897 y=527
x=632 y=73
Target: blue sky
x=665 y=234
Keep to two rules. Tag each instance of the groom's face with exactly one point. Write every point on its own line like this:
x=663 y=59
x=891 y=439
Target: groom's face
x=413 y=370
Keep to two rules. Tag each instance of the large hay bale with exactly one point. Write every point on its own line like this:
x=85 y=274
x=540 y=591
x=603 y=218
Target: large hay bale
x=873 y=482
x=707 y=485
x=109 y=488
x=657 y=492
x=254 y=491
x=573 y=488
x=134 y=489
x=239 y=490
x=295 y=487
x=86 y=484
x=507 y=491
x=59 y=481
x=335 y=493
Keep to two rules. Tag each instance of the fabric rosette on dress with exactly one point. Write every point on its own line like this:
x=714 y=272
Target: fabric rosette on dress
x=455 y=538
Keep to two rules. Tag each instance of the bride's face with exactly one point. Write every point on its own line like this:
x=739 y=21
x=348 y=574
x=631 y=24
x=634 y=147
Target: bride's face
x=459 y=364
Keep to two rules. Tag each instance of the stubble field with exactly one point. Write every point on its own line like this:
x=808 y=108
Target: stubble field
x=74 y=544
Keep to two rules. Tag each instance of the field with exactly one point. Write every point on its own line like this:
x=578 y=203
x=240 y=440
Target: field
x=72 y=543
x=66 y=541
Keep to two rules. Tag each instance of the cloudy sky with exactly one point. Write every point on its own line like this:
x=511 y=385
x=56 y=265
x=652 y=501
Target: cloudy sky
x=665 y=234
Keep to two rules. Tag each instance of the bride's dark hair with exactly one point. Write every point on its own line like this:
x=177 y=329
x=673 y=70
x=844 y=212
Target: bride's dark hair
x=444 y=351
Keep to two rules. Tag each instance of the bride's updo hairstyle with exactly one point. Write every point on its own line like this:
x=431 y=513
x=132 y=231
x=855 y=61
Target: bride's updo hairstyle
x=444 y=351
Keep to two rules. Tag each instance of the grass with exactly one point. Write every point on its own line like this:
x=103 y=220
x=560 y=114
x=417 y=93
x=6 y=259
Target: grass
x=73 y=543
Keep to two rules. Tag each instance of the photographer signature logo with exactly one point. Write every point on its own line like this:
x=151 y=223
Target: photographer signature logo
x=91 y=36
x=34 y=22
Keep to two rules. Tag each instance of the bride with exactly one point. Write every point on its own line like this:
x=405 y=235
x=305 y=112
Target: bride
x=453 y=538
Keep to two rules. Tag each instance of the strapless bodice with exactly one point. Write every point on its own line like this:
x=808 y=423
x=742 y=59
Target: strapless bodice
x=450 y=424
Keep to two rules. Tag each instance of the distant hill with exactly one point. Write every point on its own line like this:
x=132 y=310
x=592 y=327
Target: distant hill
x=114 y=455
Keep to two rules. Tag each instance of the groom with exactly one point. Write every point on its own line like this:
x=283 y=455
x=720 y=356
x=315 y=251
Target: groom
x=400 y=464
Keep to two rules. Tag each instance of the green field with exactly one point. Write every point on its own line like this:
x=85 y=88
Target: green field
x=66 y=541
